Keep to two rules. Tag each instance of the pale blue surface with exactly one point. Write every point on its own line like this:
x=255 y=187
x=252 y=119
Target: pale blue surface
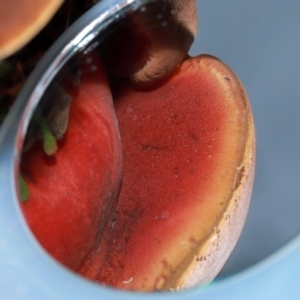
x=260 y=40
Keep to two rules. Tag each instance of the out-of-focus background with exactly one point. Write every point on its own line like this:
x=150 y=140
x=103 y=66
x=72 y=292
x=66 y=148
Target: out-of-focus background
x=260 y=41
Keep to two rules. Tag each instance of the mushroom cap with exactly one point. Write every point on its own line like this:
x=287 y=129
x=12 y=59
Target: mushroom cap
x=21 y=20
x=214 y=251
x=188 y=167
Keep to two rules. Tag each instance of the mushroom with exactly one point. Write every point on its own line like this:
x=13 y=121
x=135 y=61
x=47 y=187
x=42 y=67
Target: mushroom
x=152 y=41
x=189 y=154
x=21 y=20
x=188 y=166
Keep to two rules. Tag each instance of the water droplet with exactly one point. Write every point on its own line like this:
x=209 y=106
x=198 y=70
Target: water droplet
x=94 y=68
x=88 y=60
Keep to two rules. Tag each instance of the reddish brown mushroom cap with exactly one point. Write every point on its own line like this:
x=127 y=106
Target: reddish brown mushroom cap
x=21 y=20
x=216 y=247
x=188 y=153
x=73 y=191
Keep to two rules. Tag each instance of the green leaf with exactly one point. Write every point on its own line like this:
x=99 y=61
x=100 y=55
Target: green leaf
x=49 y=141
x=23 y=189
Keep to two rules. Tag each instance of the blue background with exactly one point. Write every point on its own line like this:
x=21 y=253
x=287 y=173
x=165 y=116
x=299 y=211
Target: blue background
x=260 y=41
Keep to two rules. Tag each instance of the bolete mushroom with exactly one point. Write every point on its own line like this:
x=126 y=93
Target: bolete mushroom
x=21 y=20
x=188 y=152
x=71 y=190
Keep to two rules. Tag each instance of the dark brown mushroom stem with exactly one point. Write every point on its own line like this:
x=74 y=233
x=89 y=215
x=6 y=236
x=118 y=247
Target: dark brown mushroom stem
x=152 y=41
